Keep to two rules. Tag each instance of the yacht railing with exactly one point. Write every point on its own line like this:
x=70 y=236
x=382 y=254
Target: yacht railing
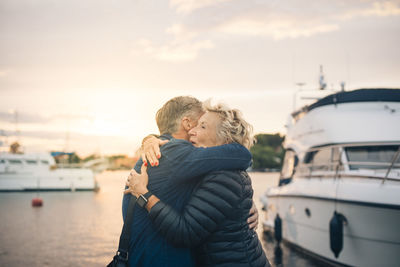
x=381 y=170
x=372 y=164
x=70 y=166
x=340 y=166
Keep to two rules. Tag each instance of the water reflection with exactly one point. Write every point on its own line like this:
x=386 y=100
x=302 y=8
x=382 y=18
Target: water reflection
x=281 y=254
x=82 y=228
x=278 y=255
x=71 y=229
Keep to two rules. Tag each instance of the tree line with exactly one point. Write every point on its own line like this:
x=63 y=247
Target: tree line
x=268 y=152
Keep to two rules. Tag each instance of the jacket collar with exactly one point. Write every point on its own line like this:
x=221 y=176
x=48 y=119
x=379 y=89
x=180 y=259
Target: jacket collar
x=166 y=136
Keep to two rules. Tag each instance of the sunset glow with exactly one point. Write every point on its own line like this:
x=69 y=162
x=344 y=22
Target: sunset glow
x=89 y=76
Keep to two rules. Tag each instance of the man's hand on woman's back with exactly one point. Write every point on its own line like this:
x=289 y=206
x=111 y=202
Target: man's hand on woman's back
x=253 y=217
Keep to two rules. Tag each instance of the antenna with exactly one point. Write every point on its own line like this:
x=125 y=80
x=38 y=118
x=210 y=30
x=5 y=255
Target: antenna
x=322 y=83
x=342 y=85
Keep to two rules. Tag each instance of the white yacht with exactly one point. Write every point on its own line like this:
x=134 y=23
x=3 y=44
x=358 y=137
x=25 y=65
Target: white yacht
x=39 y=172
x=339 y=191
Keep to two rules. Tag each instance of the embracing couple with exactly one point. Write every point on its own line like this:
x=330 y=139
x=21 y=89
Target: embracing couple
x=196 y=206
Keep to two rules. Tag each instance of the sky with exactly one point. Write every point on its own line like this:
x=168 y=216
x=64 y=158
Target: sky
x=88 y=76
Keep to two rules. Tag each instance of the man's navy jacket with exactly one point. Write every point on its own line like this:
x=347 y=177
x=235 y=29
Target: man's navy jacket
x=181 y=167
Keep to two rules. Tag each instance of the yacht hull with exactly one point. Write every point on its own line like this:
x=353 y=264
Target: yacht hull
x=370 y=236
x=55 y=180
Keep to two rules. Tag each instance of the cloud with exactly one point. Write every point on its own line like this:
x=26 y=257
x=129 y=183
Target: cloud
x=279 y=29
x=184 y=45
x=188 y=6
x=273 y=19
x=22 y=117
x=47 y=135
x=279 y=19
x=175 y=52
x=301 y=18
x=181 y=33
x=374 y=8
x=4 y=73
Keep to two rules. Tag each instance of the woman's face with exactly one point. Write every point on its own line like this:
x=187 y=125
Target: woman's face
x=205 y=133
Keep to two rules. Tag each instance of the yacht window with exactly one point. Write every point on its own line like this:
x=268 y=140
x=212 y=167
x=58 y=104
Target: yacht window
x=309 y=157
x=2 y=161
x=320 y=159
x=289 y=164
x=44 y=162
x=371 y=157
x=31 y=161
x=15 y=161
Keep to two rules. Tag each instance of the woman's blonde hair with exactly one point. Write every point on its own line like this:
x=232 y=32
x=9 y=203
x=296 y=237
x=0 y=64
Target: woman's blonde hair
x=233 y=127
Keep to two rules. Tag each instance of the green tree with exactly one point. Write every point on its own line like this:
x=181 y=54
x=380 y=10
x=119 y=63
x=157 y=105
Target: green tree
x=268 y=151
x=90 y=157
x=74 y=158
x=114 y=157
x=272 y=140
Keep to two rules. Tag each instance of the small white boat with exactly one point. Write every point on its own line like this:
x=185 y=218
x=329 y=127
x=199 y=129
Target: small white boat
x=339 y=192
x=39 y=172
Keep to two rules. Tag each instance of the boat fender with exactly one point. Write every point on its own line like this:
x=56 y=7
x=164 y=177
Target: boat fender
x=336 y=233
x=278 y=228
x=37 y=202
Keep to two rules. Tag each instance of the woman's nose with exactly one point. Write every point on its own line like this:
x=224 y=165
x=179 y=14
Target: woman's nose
x=192 y=132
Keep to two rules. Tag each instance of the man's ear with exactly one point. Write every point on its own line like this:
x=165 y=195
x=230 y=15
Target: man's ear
x=186 y=123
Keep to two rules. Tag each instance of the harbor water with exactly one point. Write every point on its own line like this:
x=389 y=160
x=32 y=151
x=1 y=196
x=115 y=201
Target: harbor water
x=83 y=228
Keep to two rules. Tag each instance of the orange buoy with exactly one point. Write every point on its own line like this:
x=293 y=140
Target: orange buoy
x=37 y=202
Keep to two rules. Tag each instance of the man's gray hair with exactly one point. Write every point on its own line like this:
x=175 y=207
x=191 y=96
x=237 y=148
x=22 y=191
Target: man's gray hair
x=169 y=117
x=233 y=127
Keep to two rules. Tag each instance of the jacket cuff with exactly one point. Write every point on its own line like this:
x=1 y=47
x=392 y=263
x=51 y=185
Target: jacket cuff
x=155 y=210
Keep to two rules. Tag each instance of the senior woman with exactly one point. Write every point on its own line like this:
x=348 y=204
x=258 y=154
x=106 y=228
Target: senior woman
x=214 y=221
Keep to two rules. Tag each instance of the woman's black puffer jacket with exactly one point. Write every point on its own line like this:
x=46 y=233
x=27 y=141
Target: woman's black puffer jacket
x=214 y=222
